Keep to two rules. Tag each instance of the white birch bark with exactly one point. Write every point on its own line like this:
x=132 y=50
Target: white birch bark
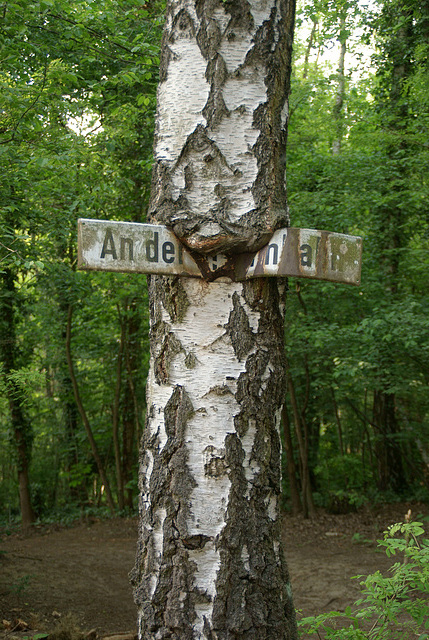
x=210 y=564
x=221 y=134
x=339 y=98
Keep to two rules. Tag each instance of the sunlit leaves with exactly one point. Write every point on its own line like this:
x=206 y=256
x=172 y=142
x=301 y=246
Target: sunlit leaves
x=374 y=340
x=77 y=101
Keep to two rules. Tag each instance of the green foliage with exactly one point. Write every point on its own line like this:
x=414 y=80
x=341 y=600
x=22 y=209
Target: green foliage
x=77 y=101
x=358 y=357
x=77 y=91
x=393 y=606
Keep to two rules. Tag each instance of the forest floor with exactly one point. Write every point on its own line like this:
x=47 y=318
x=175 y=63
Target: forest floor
x=54 y=572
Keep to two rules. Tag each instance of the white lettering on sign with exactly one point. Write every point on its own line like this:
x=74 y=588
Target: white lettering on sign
x=144 y=248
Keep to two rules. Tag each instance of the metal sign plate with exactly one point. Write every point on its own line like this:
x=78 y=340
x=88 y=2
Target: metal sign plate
x=105 y=245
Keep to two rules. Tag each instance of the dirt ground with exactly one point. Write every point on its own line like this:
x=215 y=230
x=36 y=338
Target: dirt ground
x=83 y=570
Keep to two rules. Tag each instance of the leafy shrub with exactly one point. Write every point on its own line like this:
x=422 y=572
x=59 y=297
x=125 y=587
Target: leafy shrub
x=396 y=606
x=342 y=475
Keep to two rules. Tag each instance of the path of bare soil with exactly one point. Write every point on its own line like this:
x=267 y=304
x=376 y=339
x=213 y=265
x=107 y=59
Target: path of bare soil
x=83 y=570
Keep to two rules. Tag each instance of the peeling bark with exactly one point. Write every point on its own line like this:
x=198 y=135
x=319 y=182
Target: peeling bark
x=218 y=179
x=210 y=563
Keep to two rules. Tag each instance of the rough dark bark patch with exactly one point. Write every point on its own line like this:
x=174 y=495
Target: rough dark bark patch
x=239 y=330
x=171 y=606
x=170 y=347
x=172 y=294
x=165 y=345
x=251 y=532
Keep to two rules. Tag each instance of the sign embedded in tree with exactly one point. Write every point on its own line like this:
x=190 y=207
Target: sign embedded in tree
x=144 y=248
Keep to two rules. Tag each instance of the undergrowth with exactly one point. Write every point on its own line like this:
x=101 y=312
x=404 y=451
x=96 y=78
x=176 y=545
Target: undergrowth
x=390 y=607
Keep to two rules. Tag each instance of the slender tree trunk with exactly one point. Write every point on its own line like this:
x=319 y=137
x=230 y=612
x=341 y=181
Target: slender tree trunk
x=70 y=412
x=210 y=563
x=20 y=427
x=388 y=450
x=84 y=417
x=302 y=437
x=291 y=467
x=301 y=425
x=339 y=98
x=309 y=47
x=115 y=416
x=131 y=412
x=338 y=421
x=27 y=513
x=129 y=451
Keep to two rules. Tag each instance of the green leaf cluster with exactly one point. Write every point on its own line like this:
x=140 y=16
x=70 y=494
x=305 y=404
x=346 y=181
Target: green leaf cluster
x=393 y=606
x=358 y=357
x=77 y=97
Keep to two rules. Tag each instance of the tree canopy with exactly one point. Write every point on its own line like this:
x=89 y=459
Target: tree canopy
x=78 y=84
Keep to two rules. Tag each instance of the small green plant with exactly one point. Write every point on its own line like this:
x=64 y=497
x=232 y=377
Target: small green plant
x=392 y=607
x=20 y=585
x=358 y=538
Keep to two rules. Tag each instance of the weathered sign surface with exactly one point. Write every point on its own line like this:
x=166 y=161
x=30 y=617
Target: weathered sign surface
x=105 y=245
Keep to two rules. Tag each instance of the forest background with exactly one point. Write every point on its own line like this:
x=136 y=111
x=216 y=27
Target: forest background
x=77 y=101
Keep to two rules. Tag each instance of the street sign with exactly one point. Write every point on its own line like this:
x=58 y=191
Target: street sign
x=105 y=245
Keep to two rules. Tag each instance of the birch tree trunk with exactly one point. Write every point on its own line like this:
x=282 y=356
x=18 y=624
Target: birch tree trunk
x=209 y=562
x=337 y=110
